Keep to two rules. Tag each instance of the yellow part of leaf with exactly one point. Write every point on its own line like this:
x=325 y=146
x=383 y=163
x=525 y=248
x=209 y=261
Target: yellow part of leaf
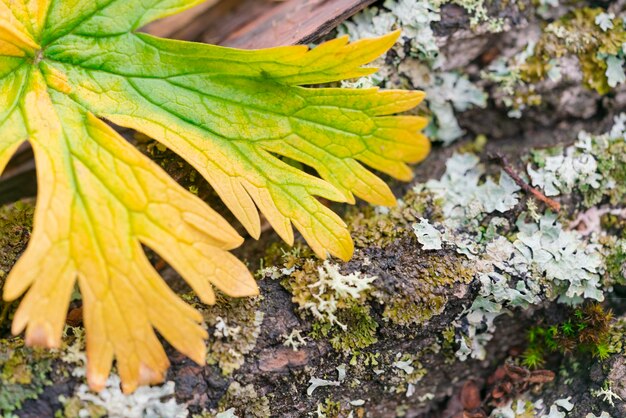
x=16 y=40
x=99 y=200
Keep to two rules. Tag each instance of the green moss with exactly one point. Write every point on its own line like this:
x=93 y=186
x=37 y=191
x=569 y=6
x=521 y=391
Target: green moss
x=16 y=223
x=329 y=409
x=616 y=340
x=75 y=408
x=24 y=373
x=360 y=329
x=615 y=265
x=587 y=330
x=425 y=293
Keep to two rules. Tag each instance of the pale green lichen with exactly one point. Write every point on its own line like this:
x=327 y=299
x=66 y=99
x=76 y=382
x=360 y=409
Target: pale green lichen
x=594 y=166
x=562 y=257
x=330 y=291
x=427 y=235
x=295 y=340
x=603 y=414
x=145 y=402
x=512 y=90
x=606 y=394
x=596 y=38
x=559 y=409
x=538 y=260
x=588 y=33
x=518 y=408
x=446 y=93
x=465 y=197
x=404 y=373
x=335 y=300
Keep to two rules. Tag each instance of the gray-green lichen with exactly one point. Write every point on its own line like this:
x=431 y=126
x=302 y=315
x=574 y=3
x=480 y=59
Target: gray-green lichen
x=145 y=402
x=593 y=37
x=594 y=166
x=539 y=257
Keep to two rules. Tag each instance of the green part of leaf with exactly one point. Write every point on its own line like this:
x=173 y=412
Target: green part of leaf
x=107 y=17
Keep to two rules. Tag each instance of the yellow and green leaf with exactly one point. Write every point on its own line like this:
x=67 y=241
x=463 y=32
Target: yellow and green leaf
x=67 y=65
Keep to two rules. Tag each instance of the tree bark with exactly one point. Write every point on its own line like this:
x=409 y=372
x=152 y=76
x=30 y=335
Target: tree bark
x=282 y=375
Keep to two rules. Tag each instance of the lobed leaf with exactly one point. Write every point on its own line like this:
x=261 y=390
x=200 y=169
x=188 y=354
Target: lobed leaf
x=234 y=115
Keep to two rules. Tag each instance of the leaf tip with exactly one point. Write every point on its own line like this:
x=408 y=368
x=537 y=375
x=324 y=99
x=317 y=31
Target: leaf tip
x=96 y=381
x=38 y=335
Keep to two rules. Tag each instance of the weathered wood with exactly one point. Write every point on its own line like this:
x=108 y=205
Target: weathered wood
x=281 y=374
x=254 y=24
x=292 y=22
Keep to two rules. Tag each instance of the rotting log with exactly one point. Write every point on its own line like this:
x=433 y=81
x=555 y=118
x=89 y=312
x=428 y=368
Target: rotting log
x=282 y=375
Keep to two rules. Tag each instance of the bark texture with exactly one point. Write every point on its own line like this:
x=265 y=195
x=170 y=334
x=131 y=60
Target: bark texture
x=279 y=375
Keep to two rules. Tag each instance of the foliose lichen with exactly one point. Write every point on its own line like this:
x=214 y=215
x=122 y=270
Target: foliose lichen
x=145 y=402
x=594 y=166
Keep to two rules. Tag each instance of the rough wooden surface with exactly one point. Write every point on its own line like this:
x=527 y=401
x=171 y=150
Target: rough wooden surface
x=254 y=24
x=282 y=374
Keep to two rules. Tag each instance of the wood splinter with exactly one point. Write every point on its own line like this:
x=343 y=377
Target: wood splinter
x=508 y=169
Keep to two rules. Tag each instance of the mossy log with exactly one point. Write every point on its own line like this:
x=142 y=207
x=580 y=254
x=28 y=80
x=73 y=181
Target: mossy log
x=401 y=360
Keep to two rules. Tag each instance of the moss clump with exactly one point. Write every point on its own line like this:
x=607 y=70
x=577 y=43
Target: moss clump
x=577 y=34
x=234 y=325
x=586 y=331
x=616 y=340
x=329 y=409
x=424 y=294
x=76 y=408
x=16 y=223
x=376 y=228
x=360 y=329
x=23 y=374
x=338 y=302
